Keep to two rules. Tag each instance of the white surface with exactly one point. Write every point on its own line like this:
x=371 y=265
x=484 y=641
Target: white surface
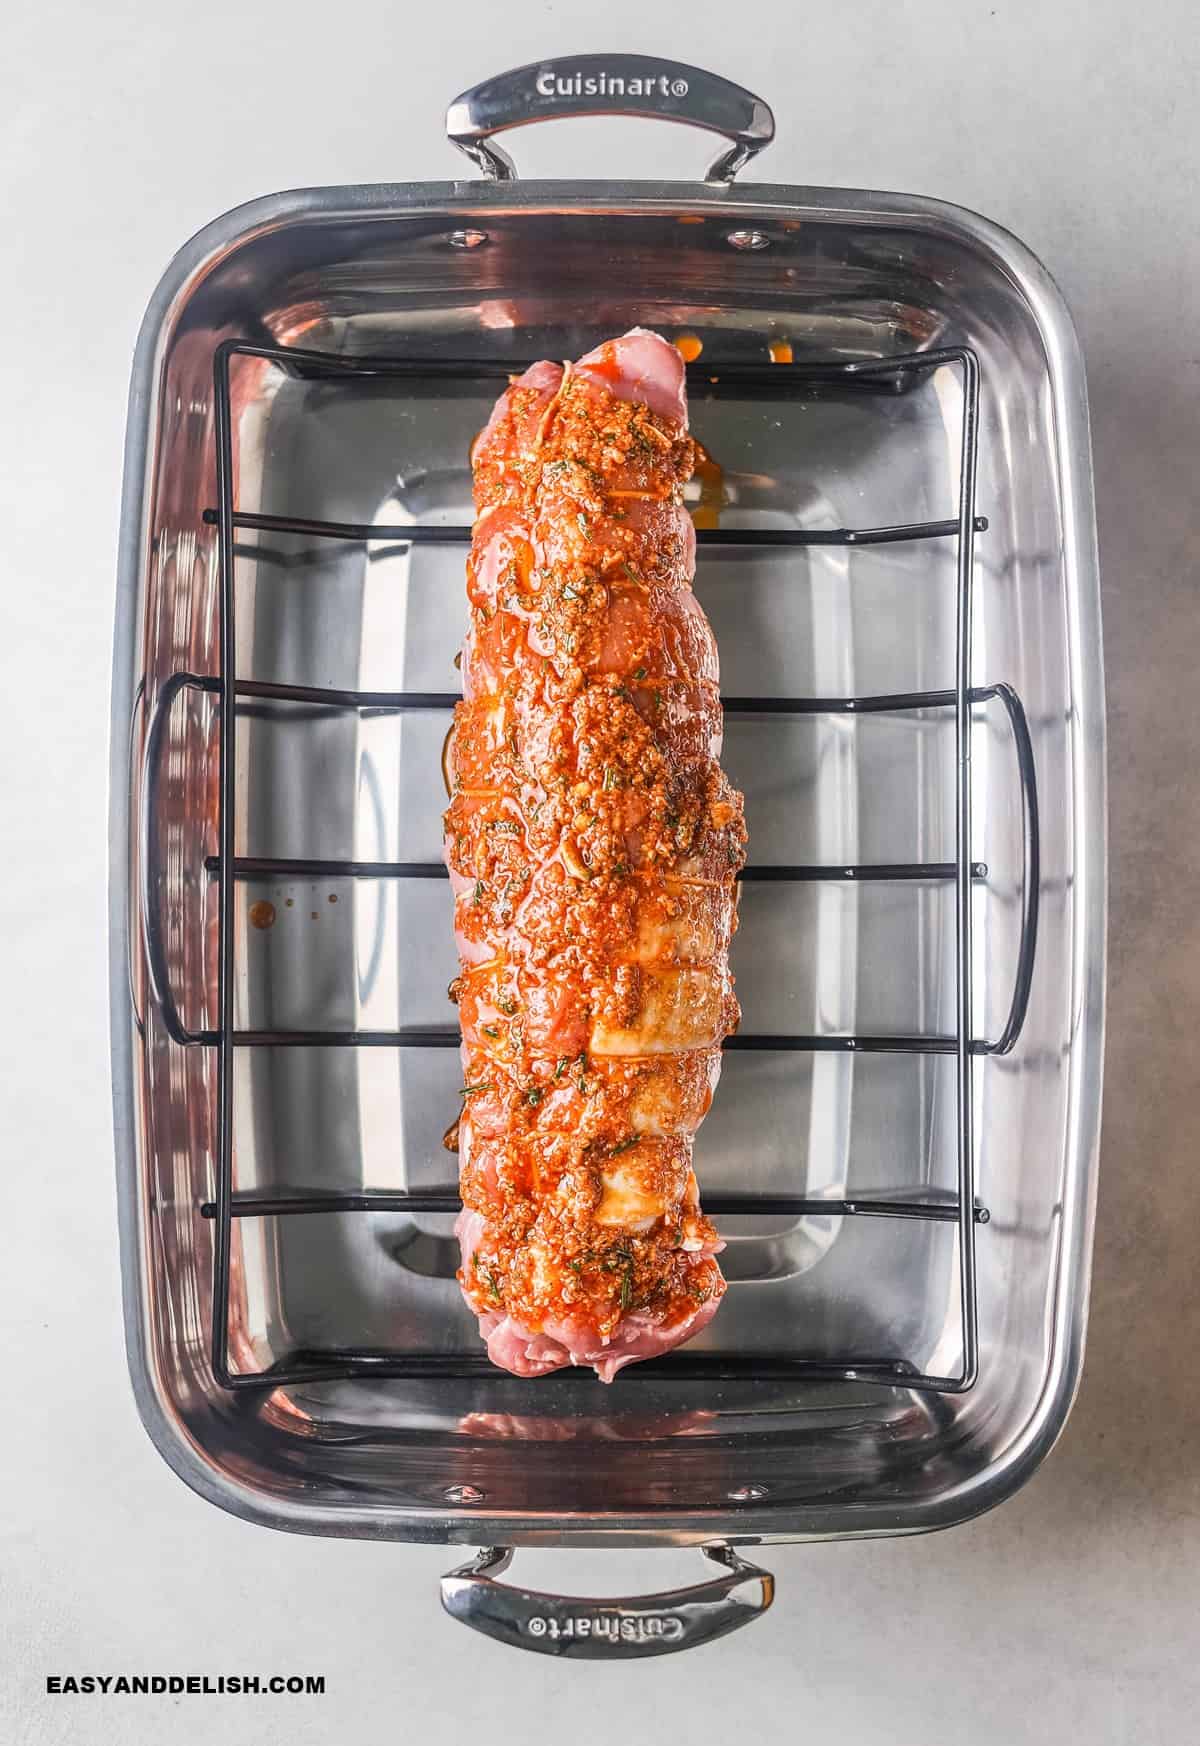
x=1071 y=1614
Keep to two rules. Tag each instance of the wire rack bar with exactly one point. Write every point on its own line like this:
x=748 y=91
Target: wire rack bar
x=732 y=378
x=968 y=1298
x=404 y=533
x=880 y=703
x=784 y=873
x=347 y=1363
x=448 y=1037
x=227 y=778
x=280 y=1203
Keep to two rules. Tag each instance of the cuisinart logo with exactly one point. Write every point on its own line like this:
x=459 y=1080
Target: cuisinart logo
x=608 y=85
x=610 y=1627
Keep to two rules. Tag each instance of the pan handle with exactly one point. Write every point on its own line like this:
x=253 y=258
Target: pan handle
x=154 y=944
x=591 y=1629
x=609 y=85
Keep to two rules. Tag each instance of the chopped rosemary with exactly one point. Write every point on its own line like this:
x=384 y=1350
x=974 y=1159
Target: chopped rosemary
x=507 y=1006
x=611 y=778
x=561 y=1068
x=640 y=673
x=623 y=1145
x=478 y=896
x=627 y=1287
x=490 y=1030
x=534 y=1095
x=469 y=1090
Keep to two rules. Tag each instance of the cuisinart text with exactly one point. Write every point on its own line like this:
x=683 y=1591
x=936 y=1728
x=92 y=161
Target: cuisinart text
x=615 y=1627
x=608 y=85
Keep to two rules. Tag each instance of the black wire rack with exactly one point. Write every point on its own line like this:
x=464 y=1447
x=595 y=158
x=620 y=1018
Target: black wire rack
x=231 y=693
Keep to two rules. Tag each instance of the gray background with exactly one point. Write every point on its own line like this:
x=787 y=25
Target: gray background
x=1071 y=1614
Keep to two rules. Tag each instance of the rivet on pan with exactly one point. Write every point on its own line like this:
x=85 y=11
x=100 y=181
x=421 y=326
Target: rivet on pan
x=748 y=239
x=749 y=1493
x=457 y=1494
x=467 y=239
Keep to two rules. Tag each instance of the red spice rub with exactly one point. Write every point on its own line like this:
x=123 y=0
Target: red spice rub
x=592 y=840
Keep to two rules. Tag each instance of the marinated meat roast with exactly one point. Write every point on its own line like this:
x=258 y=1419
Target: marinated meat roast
x=593 y=843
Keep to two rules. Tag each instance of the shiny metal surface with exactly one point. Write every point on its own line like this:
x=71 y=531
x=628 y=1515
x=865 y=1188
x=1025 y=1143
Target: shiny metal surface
x=609 y=85
x=368 y=270
x=627 y=1628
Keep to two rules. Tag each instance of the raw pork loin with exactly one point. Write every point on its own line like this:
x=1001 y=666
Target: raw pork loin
x=593 y=843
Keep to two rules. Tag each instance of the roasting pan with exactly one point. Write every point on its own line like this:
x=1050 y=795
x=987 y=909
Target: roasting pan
x=899 y=563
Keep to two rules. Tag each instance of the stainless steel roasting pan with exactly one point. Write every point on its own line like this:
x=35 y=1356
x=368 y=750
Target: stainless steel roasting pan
x=902 y=577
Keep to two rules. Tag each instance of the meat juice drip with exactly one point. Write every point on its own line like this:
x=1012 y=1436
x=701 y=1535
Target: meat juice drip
x=711 y=474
